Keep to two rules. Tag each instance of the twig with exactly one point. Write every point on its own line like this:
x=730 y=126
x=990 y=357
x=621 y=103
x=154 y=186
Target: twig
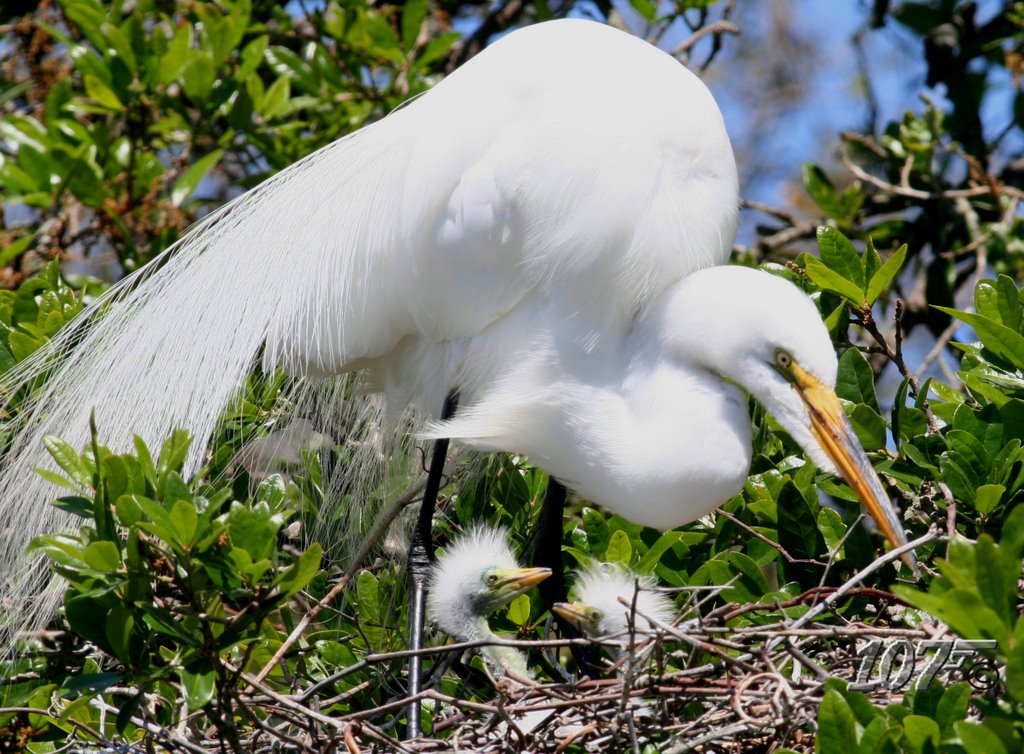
x=877 y=563
x=403 y=500
x=717 y=28
x=350 y=739
x=912 y=193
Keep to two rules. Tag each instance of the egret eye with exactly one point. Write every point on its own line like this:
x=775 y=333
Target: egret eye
x=782 y=359
x=491 y=579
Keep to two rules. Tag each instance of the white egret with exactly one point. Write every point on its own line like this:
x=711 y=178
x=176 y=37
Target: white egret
x=475 y=576
x=520 y=236
x=614 y=602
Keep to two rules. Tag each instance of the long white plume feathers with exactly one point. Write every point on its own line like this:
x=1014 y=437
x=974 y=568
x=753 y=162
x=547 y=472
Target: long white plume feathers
x=169 y=346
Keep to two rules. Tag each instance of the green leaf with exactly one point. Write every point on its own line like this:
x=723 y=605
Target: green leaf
x=978 y=738
x=855 y=381
x=254 y=531
x=885 y=274
x=869 y=427
x=597 y=531
x=120 y=46
x=184 y=522
x=114 y=472
x=752 y=580
x=798 y=528
x=101 y=94
x=952 y=706
x=619 y=549
x=128 y=710
x=1009 y=302
x=1015 y=671
x=172 y=453
x=519 y=610
x=23 y=345
x=273 y=102
x=961 y=608
x=189 y=180
x=54 y=478
x=999 y=339
x=653 y=555
x=879 y=737
x=412 y=19
x=120 y=622
x=173 y=61
x=993 y=585
x=839 y=255
x=252 y=55
x=272 y=491
x=987 y=497
x=301 y=572
x=89 y=17
x=837 y=729
x=369 y=605
x=76 y=505
x=60 y=548
x=1011 y=541
x=15 y=248
x=159 y=523
x=998 y=300
x=830 y=280
x=921 y=733
x=198 y=75
x=175 y=489
x=103 y=556
x=199 y=686
x=832 y=528
x=822 y=192
x=70 y=461
x=127 y=510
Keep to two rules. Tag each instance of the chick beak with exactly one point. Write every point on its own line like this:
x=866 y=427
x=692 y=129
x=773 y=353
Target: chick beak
x=518 y=580
x=574 y=612
x=833 y=432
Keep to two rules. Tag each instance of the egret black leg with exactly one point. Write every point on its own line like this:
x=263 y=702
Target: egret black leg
x=421 y=555
x=546 y=546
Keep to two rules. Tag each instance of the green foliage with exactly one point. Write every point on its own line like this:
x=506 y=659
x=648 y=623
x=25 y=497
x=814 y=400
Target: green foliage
x=925 y=721
x=164 y=107
x=174 y=582
x=178 y=590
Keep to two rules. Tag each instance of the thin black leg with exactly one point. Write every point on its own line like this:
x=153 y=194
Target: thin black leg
x=546 y=545
x=421 y=555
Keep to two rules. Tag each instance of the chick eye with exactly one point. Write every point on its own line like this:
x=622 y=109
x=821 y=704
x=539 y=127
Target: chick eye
x=491 y=579
x=782 y=359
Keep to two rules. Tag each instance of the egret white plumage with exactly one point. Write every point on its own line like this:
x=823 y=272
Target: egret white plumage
x=522 y=236
x=475 y=576
x=614 y=602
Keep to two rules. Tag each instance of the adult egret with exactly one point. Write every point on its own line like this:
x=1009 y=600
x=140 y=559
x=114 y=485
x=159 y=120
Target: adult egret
x=612 y=601
x=520 y=236
x=475 y=576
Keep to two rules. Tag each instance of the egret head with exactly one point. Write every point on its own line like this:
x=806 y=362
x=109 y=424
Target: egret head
x=605 y=596
x=762 y=332
x=475 y=576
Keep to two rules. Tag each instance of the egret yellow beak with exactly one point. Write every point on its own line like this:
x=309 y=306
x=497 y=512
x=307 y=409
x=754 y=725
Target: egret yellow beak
x=833 y=432
x=520 y=579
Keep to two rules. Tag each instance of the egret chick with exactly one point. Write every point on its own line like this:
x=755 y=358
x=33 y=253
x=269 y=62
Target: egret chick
x=475 y=576
x=606 y=595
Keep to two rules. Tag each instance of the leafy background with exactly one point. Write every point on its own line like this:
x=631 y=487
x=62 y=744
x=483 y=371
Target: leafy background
x=124 y=122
